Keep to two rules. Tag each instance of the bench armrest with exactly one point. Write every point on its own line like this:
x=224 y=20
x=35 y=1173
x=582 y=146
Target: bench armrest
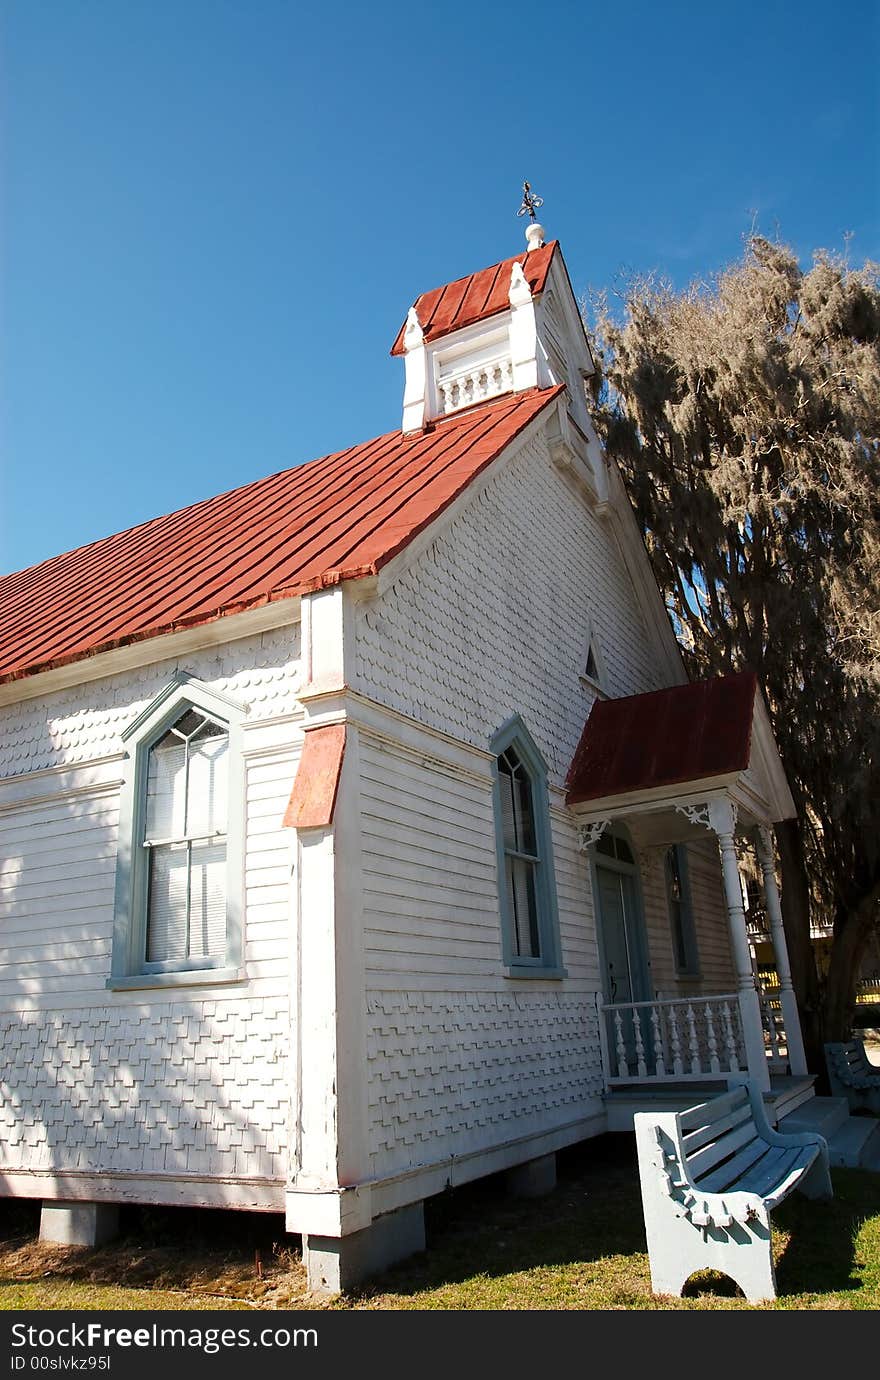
x=774 y=1137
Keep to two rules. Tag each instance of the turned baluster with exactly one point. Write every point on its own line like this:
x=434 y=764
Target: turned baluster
x=659 y=1054
x=675 y=1042
x=693 y=1044
x=641 y=1066
x=714 y=1062
x=729 y=1039
x=620 y=1046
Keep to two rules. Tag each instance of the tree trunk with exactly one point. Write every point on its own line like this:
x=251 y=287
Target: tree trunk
x=851 y=932
x=795 y=896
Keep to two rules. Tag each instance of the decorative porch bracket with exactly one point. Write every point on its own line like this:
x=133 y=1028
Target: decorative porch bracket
x=588 y=834
x=719 y=816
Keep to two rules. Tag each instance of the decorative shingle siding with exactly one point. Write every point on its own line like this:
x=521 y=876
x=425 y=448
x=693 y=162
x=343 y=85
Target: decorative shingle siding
x=194 y=1088
x=492 y=619
x=460 y=1071
x=83 y=723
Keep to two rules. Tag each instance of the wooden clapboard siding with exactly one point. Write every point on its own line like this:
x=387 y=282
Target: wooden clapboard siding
x=717 y=973
x=460 y=1057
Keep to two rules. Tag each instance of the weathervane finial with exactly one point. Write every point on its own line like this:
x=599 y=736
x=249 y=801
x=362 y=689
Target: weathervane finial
x=530 y=204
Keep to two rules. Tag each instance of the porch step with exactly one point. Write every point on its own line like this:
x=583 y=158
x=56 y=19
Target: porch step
x=788 y=1093
x=853 y=1141
x=823 y=1115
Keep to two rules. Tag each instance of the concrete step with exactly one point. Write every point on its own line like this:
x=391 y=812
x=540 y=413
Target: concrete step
x=856 y=1145
x=824 y=1115
x=788 y=1094
x=853 y=1141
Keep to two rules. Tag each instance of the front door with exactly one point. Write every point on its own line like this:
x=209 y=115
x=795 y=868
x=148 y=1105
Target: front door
x=620 y=919
x=623 y=950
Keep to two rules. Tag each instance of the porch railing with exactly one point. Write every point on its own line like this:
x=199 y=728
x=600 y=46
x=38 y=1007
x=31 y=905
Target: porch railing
x=773 y=1023
x=673 y=1040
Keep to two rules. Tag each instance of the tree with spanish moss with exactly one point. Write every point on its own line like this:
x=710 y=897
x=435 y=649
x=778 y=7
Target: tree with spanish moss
x=745 y=415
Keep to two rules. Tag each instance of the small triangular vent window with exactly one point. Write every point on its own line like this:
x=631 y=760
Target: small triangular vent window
x=592 y=669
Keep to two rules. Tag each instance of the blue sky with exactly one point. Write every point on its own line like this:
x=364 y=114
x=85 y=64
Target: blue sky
x=216 y=212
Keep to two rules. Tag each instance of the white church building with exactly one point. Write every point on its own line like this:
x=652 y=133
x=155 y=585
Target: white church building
x=360 y=833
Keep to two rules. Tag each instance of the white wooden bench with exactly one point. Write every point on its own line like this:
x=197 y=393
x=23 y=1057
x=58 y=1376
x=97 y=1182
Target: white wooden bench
x=710 y=1178
x=853 y=1076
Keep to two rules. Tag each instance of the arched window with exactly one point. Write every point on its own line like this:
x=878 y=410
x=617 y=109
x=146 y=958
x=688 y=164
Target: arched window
x=185 y=841
x=179 y=865
x=527 y=890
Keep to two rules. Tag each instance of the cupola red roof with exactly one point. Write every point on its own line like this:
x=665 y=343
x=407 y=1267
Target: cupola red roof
x=338 y=518
x=477 y=296
x=664 y=738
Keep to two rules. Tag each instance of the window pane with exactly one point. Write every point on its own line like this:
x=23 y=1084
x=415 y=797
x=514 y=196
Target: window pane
x=508 y=825
x=209 y=729
x=207 y=912
x=624 y=852
x=525 y=823
x=166 y=918
x=680 y=916
x=166 y=784
x=523 y=905
x=189 y=722
x=206 y=813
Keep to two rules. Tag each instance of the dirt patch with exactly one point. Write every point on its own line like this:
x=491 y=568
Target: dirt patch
x=157 y=1251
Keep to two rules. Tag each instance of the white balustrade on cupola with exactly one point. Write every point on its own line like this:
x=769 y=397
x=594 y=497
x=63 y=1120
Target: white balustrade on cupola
x=474 y=384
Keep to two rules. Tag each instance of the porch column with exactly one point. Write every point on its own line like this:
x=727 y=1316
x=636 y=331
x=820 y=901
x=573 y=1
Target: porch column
x=722 y=820
x=790 y=1014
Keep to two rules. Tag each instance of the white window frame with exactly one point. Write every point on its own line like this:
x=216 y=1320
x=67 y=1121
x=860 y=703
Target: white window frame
x=129 y=966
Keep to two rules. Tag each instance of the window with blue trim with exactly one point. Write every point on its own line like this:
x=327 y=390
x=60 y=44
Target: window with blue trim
x=179 y=874
x=681 y=912
x=527 y=890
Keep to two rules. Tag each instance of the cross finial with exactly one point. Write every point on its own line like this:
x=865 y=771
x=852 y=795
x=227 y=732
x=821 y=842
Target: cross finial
x=530 y=202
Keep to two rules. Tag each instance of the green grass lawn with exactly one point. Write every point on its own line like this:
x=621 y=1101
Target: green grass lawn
x=582 y=1247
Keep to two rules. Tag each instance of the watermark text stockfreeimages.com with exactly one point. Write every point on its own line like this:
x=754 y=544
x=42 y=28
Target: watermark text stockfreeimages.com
x=97 y=1336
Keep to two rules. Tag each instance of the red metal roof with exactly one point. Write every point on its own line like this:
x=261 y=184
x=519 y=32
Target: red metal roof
x=664 y=738
x=338 y=518
x=482 y=294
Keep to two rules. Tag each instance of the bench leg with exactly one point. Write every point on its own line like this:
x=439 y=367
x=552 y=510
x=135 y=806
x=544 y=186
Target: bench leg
x=816 y=1183
x=677 y=1249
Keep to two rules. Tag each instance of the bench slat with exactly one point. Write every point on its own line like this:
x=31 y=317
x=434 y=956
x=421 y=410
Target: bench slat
x=778 y=1183
x=726 y=1175
x=771 y=1169
x=694 y=1139
x=723 y=1148
x=712 y=1109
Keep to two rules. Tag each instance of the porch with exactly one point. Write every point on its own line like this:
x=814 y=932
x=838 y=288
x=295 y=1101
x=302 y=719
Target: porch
x=668 y=1053
x=668 y=772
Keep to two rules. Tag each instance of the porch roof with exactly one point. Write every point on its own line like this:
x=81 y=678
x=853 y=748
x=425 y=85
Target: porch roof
x=664 y=738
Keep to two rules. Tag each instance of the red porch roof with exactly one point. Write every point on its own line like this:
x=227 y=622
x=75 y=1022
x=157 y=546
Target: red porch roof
x=664 y=738
x=334 y=519
x=477 y=296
